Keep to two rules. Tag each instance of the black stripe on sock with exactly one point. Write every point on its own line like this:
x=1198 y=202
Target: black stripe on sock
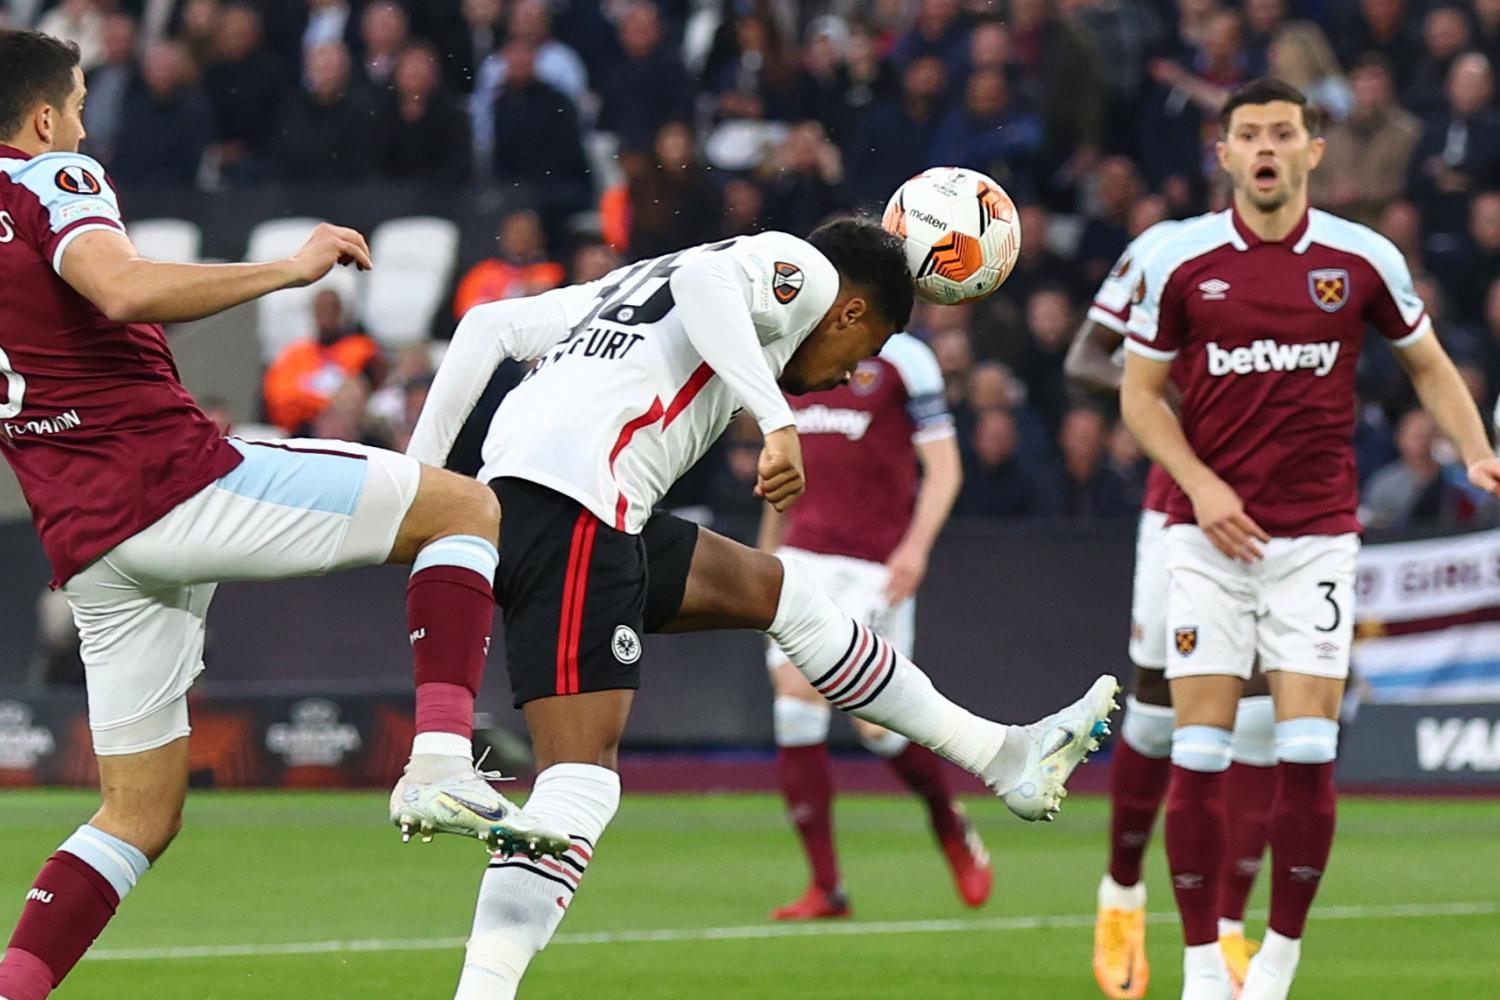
x=861 y=673
x=565 y=859
x=848 y=651
x=878 y=687
x=586 y=841
x=536 y=871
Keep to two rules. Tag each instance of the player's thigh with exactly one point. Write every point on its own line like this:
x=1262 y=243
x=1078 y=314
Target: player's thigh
x=1152 y=688
x=1148 y=595
x=728 y=586
x=1301 y=696
x=573 y=592
x=1307 y=625
x=290 y=508
x=578 y=728
x=1211 y=623
x=141 y=648
x=444 y=504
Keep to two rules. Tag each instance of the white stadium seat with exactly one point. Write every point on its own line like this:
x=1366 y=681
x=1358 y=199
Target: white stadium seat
x=176 y=240
x=414 y=260
x=286 y=316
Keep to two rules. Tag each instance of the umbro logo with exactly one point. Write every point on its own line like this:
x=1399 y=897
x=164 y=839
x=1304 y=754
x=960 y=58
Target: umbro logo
x=1214 y=290
x=1187 y=880
x=40 y=895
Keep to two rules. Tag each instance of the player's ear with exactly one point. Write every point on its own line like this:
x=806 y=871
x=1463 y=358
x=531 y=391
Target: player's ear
x=43 y=120
x=1315 y=154
x=1222 y=149
x=854 y=310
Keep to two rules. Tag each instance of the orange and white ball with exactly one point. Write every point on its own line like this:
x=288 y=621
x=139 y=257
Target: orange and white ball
x=962 y=233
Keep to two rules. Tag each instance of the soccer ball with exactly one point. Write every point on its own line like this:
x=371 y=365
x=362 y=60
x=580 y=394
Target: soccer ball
x=961 y=230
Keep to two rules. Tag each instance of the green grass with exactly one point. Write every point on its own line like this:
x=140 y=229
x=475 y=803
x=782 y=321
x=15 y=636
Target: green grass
x=259 y=869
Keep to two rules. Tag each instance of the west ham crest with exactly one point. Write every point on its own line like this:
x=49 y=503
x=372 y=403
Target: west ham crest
x=1187 y=640
x=865 y=378
x=1329 y=288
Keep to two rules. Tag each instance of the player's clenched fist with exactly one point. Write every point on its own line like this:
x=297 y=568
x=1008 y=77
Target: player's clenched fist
x=329 y=245
x=779 y=476
x=1221 y=516
x=1485 y=474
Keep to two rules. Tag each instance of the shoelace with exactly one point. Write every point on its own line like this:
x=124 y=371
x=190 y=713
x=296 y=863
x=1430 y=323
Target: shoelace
x=489 y=775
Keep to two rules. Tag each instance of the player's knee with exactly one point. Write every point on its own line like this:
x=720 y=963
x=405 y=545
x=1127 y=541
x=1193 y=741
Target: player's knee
x=800 y=723
x=1148 y=728
x=1151 y=687
x=149 y=830
x=1307 y=740
x=480 y=510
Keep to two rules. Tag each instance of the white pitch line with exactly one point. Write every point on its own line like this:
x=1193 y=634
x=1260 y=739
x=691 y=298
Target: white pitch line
x=762 y=931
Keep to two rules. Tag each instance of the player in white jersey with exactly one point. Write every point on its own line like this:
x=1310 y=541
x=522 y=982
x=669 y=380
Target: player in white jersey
x=638 y=374
x=1142 y=765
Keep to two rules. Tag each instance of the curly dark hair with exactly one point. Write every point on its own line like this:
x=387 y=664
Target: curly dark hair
x=868 y=255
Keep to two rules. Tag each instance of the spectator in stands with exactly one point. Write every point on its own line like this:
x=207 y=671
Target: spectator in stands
x=557 y=65
x=804 y=180
x=1301 y=56
x=324 y=133
x=593 y=258
x=1038 y=264
x=1050 y=320
x=1366 y=160
x=384 y=30
x=1487 y=28
x=198 y=31
x=752 y=71
x=892 y=139
x=675 y=202
x=938 y=31
x=346 y=417
x=1491 y=332
x=522 y=268
x=329 y=22
x=420 y=131
x=1474 y=263
x=1459 y=149
x=995 y=132
x=472 y=43
x=1445 y=37
x=1117 y=191
x=167 y=123
x=1217 y=67
x=1263 y=21
x=1381 y=27
x=1082 y=484
x=1401 y=223
x=538 y=145
x=744 y=207
x=81 y=22
x=1056 y=60
x=1125 y=456
x=824 y=86
x=304 y=378
x=955 y=358
x=647 y=86
x=244 y=85
x=996 y=483
x=993 y=386
x=869 y=78
x=1124 y=33
x=732 y=490
x=109 y=83
x=1409 y=491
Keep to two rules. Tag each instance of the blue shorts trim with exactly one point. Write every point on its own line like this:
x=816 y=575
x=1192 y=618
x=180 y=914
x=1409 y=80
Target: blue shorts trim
x=327 y=481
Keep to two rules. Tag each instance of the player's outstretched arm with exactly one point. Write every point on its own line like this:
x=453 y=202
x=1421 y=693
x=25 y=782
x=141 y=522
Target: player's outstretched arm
x=1444 y=394
x=104 y=268
x=1091 y=363
x=1217 y=508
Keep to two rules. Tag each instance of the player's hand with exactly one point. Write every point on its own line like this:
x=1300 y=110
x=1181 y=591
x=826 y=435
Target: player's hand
x=1221 y=515
x=907 y=566
x=1485 y=474
x=779 y=478
x=326 y=247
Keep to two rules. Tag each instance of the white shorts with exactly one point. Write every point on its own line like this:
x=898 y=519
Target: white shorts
x=291 y=508
x=1148 y=593
x=1294 y=608
x=857 y=586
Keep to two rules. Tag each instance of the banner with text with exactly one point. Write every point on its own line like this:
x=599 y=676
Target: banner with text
x=1428 y=617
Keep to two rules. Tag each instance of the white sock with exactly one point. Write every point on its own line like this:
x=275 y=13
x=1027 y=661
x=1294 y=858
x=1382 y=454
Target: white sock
x=1255 y=732
x=1229 y=927
x=521 y=902
x=442 y=745
x=1114 y=896
x=1279 y=951
x=799 y=723
x=862 y=674
x=887 y=744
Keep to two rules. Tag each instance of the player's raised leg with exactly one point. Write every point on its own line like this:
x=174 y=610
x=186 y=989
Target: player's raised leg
x=733 y=586
x=804 y=772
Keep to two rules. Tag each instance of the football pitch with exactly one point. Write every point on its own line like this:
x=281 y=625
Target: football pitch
x=304 y=894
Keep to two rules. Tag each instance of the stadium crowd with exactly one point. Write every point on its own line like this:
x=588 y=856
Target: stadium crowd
x=720 y=117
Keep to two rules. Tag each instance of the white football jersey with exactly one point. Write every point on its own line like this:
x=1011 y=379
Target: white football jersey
x=638 y=373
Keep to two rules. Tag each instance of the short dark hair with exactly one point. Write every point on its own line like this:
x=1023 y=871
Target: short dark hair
x=38 y=67
x=868 y=255
x=1266 y=90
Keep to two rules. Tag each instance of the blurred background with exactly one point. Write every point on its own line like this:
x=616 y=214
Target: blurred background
x=497 y=148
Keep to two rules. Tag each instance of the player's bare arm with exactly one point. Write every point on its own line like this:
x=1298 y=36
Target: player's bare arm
x=779 y=475
x=104 y=267
x=1148 y=413
x=772 y=532
x=942 y=477
x=1444 y=395
x=1091 y=363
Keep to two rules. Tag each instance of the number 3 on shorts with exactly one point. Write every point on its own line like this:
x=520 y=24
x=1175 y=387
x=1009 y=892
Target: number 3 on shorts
x=1329 y=587
x=15 y=389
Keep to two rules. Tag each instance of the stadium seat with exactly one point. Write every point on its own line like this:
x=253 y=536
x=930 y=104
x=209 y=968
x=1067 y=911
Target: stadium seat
x=414 y=261
x=286 y=316
x=176 y=240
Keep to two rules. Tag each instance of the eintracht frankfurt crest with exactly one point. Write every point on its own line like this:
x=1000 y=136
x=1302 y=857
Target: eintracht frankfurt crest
x=1329 y=288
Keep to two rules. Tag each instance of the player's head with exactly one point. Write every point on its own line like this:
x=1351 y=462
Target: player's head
x=41 y=92
x=874 y=301
x=1271 y=143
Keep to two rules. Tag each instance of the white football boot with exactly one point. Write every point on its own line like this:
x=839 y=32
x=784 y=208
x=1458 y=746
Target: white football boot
x=1056 y=746
x=451 y=795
